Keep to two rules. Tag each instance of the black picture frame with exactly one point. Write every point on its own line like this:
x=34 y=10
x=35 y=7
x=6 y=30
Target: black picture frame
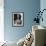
x=18 y=19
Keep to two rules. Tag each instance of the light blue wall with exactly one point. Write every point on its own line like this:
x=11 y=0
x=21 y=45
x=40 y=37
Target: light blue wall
x=29 y=7
x=43 y=6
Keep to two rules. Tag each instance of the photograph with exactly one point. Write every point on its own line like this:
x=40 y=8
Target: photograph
x=18 y=18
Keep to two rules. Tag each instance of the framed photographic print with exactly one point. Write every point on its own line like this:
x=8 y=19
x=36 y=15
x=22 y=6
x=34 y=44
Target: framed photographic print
x=18 y=19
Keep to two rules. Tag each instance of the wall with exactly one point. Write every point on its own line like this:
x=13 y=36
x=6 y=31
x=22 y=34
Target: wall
x=43 y=6
x=29 y=7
